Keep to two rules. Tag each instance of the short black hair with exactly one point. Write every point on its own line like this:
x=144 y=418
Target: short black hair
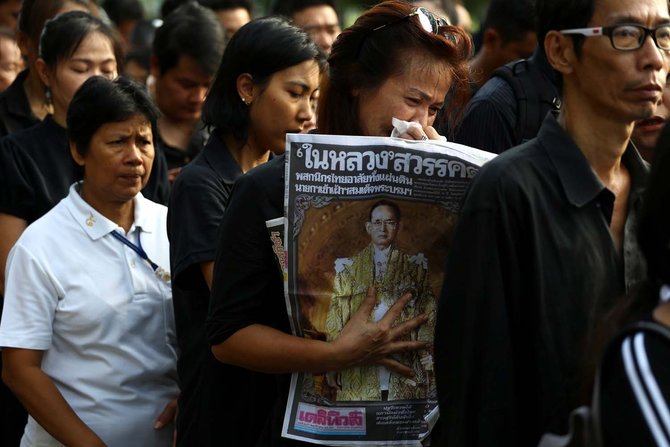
x=384 y=202
x=260 y=48
x=225 y=5
x=512 y=19
x=289 y=7
x=63 y=34
x=170 y=5
x=120 y=10
x=100 y=101
x=190 y=30
x=563 y=14
x=142 y=35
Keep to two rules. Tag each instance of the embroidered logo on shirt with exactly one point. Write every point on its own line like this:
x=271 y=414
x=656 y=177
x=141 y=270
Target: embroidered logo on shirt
x=90 y=221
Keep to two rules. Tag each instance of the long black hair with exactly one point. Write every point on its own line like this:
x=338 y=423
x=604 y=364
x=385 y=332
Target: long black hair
x=260 y=48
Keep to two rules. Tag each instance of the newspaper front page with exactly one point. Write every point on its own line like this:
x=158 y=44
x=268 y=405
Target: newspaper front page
x=366 y=212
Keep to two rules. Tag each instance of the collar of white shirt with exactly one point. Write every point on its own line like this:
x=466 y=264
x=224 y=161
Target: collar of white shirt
x=95 y=224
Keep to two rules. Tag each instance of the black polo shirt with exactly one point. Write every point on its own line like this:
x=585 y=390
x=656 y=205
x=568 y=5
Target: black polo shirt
x=531 y=269
x=36 y=170
x=248 y=285
x=15 y=112
x=216 y=403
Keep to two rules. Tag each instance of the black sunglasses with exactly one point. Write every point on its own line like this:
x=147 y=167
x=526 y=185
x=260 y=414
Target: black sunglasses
x=428 y=21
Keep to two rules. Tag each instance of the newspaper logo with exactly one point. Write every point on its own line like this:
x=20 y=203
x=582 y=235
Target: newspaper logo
x=330 y=421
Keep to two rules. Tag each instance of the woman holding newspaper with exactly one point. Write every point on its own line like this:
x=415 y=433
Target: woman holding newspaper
x=395 y=61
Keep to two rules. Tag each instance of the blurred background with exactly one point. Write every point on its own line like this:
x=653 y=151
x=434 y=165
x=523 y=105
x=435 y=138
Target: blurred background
x=348 y=9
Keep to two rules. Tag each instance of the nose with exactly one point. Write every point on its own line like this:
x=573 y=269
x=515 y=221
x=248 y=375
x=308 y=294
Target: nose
x=325 y=41
x=421 y=115
x=199 y=94
x=133 y=153
x=305 y=111
x=653 y=57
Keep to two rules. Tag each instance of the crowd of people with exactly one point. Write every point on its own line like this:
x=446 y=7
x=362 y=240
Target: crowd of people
x=142 y=302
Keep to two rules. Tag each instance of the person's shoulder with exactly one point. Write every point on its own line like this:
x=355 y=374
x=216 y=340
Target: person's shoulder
x=28 y=138
x=513 y=165
x=271 y=167
x=196 y=172
x=49 y=228
x=508 y=177
x=265 y=176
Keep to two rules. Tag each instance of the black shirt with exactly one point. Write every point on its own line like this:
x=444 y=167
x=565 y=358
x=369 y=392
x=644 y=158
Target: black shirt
x=36 y=170
x=531 y=268
x=214 y=398
x=248 y=284
x=15 y=112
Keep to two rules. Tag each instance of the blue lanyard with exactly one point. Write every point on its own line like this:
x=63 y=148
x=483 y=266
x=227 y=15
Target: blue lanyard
x=162 y=274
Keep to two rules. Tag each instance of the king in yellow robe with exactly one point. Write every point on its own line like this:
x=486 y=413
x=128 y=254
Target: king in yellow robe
x=402 y=274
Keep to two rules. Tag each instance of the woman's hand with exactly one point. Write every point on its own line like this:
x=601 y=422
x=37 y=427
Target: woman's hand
x=362 y=341
x=425 y=133
x=22 y=373
x=168 y=415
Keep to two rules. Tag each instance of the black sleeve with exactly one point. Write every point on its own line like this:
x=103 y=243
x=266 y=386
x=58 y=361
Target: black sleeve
x=197 y=203
x=635 y=388
x=248 y=284
x=157 y=188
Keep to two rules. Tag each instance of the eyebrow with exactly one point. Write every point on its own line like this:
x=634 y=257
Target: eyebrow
x=424 y=96
x=299 y=83
x=87 y=61
x=620 y=19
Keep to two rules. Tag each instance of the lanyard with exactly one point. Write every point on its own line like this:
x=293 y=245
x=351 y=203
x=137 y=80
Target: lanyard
x=160 y=272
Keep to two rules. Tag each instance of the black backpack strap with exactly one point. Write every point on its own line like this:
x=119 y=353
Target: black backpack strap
x=535 y=95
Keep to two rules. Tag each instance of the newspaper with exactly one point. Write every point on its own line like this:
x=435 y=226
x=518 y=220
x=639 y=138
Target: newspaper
x=366 y=212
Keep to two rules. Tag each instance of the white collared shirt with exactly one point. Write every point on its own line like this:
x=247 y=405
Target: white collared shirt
x=102 y=317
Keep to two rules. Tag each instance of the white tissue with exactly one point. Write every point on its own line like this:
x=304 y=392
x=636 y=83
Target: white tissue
x=400 y=127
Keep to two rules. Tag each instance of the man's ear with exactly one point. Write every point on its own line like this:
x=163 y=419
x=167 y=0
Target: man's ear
x=368 y=227
x=491 y=38
x=560 y=52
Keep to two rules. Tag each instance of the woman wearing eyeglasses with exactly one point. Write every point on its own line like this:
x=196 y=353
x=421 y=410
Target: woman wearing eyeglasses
x=395 y=61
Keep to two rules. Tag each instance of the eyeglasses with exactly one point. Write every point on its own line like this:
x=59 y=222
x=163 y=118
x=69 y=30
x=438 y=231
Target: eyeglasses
x=628 y=37
x=428 y=21
x=380 y=223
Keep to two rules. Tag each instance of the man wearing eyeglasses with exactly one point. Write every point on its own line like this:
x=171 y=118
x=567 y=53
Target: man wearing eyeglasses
x=546 y=245
x=392 y=273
